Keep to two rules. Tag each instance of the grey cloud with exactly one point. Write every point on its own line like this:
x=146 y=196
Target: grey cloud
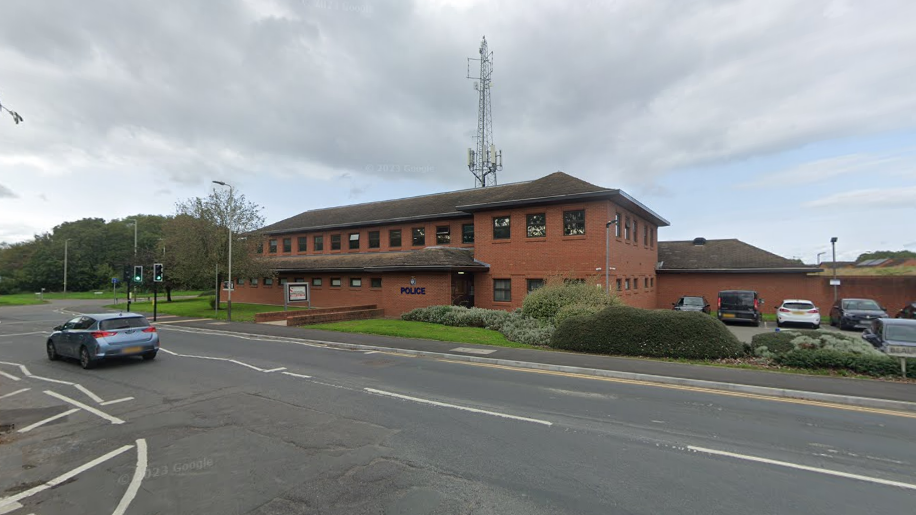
x=871 y=198
x=6 y=192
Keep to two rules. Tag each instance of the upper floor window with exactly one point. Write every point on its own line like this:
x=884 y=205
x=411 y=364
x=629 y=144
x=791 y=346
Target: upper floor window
x=316 y=281
x=335 y=282
x=574 y=222
x=272 y=245
x=374 y=240
x=617 y=228
x=501 y=228
x=394 y=238
x=287 y=244
x=356 y=282
x=419 y=236
x=354 y=241
x=645 y=234
x=635 y=231
x=618 y=284
x=626 y=284
x=443 y=234
x=467 y=233
x=626 y=229
x=536 y=225
x=375 y=282
x=319 y=243
x=302 y=243
x=335 y=242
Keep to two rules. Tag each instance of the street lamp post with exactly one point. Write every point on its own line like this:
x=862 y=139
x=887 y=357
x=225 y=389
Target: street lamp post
x=819 y=254
x=229 y=224
x=607 y=255
x=66 y=248
x=835 y=292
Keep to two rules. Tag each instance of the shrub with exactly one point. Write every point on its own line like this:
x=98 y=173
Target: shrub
x=514 y=326
x=866 y=364
x=212 y=301
x=545 y=302
x=575 y=310
x=771 y=344
x=630 y=331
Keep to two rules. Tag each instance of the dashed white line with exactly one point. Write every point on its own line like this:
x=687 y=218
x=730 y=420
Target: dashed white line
x=106 y=403
x=11 y=508
x=274 y=370
x=455 y=406
x=9 y=376
x=40 y=423
x=302 y=376
x=818 y=470
x=14 y=393
x=90 y=409
x=134 y=485
x=371 y=352
x=14 y=499
x=89 y=394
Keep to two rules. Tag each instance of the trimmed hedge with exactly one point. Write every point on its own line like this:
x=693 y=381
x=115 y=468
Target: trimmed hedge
x=513 y=325
x=546 y=302
x=877 y=366
x=630 y=331
x=769 y=345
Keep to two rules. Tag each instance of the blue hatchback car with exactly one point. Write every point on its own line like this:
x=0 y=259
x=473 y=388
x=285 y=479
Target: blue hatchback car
x=92 y=338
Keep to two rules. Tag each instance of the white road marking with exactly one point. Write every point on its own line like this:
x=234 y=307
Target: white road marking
x=106 y=403
x=9 y=376
x=469 y=350
x=168 y=351
x=237 y=362
x=14 y=499
x=89 y=394
x=11 y=508
x=274 y=370
x=24 y=334
x=40 y=423
x=819 y=470
x=14 y=393
x=58 y=381
x=463 y=408
x=25 y=371
x=371 y=352
x=181 y=321
x=90 y=409
x=296 y=375
x=134 y=485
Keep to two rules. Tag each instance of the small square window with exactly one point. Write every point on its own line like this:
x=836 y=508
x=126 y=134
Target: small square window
x=283 y=281
x=273 y=246
x=316 y=281
x=419 y=236
x=534 y=284
x=536 y=225
x=354 y=241
x=335 y=282
x=574 y=222
x=319 y=243
x=298 y=280
x=356 y=282
x=302 y=243
x=501 y=230
x=287 y=244
x=268 y=281
x=502 y=290
x=374 y=240
x=335 y=242
x=443 y=235
x=467 y=233
x=375 y=282
x=239 y=281
x=394 y=238
x=253 y=282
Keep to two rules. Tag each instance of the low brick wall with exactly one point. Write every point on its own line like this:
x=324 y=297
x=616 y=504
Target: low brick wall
x=274 y=316
x=340 y=316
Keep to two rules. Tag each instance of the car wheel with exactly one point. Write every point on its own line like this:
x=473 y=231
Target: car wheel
x=85 y=360
x=149 y=356
x=52 y=352
x=832 y=323
x=815 y=326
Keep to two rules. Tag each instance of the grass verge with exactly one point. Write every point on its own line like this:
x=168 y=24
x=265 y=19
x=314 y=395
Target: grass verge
x=200 y=308
x=423 y=330
x=26 y=299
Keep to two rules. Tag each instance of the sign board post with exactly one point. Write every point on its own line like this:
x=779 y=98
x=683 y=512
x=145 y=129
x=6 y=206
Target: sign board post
x=296 y=292
x=902 y=352
x=114 y=291
x=834 y=282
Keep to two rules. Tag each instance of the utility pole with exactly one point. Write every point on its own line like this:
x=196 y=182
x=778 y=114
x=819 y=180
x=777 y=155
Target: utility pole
x=835 y=292
x=607 y=255
x=229 y=224
x=485 y=160
x=66 y=248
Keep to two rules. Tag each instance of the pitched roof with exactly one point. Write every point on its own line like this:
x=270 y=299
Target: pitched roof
x=556 y=187
x=428 y=259
x=724 y=256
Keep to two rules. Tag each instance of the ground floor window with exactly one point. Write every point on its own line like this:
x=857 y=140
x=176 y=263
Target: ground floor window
x=253 y=282
x=298 y=280
x=335 y=281
x=534 y=284
x=502 y=290
x=618 y=284
x=268 y=281
x=375 y=282
x=316 y=281
x=626 y=284
x=239 y=281
x=356 y=282
x=652 y=282
x=646 y=282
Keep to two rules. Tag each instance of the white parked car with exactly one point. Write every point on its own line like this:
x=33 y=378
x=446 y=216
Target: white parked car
x=798 y=311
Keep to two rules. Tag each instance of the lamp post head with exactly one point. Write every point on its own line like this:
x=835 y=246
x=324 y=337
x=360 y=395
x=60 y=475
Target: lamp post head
x=221 y=183
x=833 y=240
x=612 y=222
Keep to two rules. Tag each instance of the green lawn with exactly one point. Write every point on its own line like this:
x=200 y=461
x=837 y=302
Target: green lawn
x=23 y=299
x=424 y=330
x=200 y=308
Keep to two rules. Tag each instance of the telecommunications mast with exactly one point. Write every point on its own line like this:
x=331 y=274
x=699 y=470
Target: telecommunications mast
x=485 y=160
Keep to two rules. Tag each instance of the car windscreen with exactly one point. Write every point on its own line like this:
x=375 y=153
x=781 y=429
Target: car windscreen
x=740 y=299
x=901 y=333
x=693 y=301
x=798 y=305
x=864 y=304
x=123 y=323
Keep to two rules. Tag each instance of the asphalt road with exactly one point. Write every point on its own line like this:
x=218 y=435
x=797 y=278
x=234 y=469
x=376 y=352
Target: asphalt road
x=227 y=424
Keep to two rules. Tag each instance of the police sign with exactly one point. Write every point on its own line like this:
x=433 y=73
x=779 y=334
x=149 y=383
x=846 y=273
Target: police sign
x=413 y=291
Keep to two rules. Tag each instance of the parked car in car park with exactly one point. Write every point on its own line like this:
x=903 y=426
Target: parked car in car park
x=855 y=313
x=798 y=311
x=739 y=306
x=692 y=303
x=92 y=338
x=908 y=311
x=894 y=335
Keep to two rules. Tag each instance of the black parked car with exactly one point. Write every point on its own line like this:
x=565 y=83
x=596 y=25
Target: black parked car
x=908 y=311
x=692 y=303
x=739 y=306
x=855 y=313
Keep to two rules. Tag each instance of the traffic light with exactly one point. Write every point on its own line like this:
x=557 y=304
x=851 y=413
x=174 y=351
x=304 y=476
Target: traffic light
x=157 y=272
x=138 y=274
x=126 y=274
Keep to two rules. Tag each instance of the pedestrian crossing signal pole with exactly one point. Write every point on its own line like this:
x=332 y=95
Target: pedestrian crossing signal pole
x=157 y=278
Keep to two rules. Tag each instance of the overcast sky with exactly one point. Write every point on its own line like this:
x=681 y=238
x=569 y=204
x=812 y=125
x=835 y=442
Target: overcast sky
x=781 y=123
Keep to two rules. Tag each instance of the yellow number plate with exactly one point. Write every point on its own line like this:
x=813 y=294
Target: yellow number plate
x=728 y=315
x=131 y=350
x=798 y=312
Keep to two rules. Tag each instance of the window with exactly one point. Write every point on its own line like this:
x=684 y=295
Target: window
x=302 y=243
x=501 y=228
x=318 y=242
x=537 y=225
x=335 y=282
x=253 y=282
x=354 y=241
x=652 y=237
x=626 y=284
x=394 y=238
x=287 y=244
x=626 y=229
x=375 y=282
x=273 y=246
x=283 y=281
x=635 y=231
x=617 y=228
x=299 y=280
x=573 y=222
x=467 y=233
x=645 y=234
x=573 y=281
x=652 y=282
x=335 y=242
x=443 y=235
x=239 y=281
x=618 y=284
x=316 y=281
x=534 y=284
x=419 y=236
x=374 y=239
x=502 y=289
x=645 y=283
x=268 y=281
x=356 y=282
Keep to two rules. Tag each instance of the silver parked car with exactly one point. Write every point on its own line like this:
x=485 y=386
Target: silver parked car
x=92 y=338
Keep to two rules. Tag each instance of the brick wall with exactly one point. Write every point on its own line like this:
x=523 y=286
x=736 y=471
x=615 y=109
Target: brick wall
x=321 y=318
x=273 y=316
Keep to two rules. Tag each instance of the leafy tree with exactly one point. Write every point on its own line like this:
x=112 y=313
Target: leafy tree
x=882 y=254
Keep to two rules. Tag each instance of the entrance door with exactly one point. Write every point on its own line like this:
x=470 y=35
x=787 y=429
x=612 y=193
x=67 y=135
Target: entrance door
x=463 y=289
